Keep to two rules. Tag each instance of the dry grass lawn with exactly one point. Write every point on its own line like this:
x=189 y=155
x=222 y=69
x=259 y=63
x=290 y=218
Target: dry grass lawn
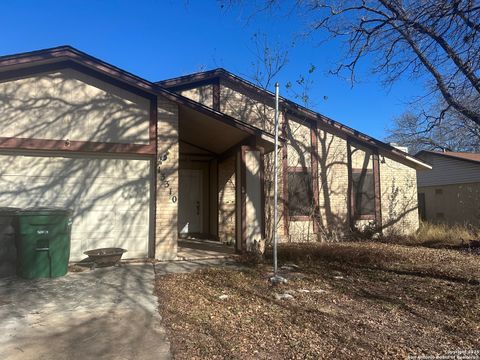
x=350 y=301
x=439 y=236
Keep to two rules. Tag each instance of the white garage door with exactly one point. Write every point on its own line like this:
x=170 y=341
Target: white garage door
x=110 y=197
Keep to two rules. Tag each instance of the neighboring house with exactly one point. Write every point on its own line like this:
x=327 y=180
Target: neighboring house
x=142 y=162
x=450 y=193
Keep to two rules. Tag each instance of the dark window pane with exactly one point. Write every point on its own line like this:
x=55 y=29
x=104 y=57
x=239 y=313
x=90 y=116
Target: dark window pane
x=363 y=193
x=300 y=194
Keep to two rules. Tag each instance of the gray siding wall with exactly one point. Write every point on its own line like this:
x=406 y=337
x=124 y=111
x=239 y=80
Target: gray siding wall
x=447 y=171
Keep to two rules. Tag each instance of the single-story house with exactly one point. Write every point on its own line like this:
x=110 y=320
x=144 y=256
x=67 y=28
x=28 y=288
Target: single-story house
x=450 y=192
x=142 y=163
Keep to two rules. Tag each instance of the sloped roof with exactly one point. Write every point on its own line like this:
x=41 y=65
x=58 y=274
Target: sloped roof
x=220 y=73
x=465 y=156
x=41 y=58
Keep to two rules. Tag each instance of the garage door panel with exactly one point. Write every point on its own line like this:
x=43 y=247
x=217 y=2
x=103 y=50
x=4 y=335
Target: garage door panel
x=96 y=223
x=76 y=246
x=21 y=191
x=125 y=239
x=11 y=166
x=7 y=188
x=127 y=168
x=110 y=197
x=140 y=217
x=132 y=244
x=40 y=167
x=30 y=191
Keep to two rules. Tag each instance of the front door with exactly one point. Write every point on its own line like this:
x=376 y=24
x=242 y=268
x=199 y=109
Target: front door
x=190 y=215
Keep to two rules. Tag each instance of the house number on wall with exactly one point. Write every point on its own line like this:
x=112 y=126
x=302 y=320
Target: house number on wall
x=166 y=184
x=164 y=181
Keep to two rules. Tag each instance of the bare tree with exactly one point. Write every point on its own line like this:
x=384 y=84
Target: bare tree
x=301 y=88
x=269 y=60
x=454 y=133
x=437 y=41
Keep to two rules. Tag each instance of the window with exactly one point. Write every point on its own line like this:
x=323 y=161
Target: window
x=438 y=191
x=363 y=193
x=300 y=194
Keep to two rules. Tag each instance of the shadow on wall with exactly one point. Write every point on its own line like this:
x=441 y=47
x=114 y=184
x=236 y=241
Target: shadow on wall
x=333 y=165
x=402 y=207
x=247 y=108
x=201 y=94
x=110 y=195
x=67 y=104
x=226 y=200
x=329 y=219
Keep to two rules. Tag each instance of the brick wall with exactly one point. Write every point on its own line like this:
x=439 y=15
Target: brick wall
x=333 y=184
x=398 y=186
x=166 y=231
x=226 y=200
x=398 y=181
x=72 y=105
x=201 y=94
x=240 y=106
x=269 y=166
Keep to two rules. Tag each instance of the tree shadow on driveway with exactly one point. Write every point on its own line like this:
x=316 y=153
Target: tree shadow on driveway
x=109 y=313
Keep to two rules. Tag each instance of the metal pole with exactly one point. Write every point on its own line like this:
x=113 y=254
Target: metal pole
x=275 y=187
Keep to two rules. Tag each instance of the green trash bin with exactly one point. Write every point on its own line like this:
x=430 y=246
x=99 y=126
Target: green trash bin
x=8 y=232
x=43 y=242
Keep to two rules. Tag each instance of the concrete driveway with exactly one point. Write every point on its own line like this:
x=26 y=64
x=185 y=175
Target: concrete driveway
x=108 y=313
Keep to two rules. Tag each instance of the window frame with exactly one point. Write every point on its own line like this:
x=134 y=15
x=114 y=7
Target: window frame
x=313 y=170
x=300 y=169
x=353 y=196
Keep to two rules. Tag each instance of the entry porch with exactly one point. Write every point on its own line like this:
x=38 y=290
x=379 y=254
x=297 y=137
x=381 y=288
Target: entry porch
x=220 y=181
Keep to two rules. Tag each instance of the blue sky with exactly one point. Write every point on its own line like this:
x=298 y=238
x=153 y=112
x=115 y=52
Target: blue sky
x=162 y=39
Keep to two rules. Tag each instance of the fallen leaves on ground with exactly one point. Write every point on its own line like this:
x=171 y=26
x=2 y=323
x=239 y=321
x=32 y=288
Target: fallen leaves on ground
x=354 y=300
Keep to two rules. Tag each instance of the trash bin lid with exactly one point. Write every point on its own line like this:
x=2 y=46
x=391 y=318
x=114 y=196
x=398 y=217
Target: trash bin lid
x=45 y=211
x=9 y=211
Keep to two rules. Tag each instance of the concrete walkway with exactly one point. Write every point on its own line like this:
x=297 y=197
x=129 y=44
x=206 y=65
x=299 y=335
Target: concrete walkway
x=108 y=313
x=177 y=266
x=195 y=249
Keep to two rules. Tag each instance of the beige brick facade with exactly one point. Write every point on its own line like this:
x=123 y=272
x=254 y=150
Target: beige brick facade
x=68 y=104
x=201 y=94
x=226 y=200
x=240 y=106
x=281 y=225
x=397 y=180
x=166 y=231
x=398 y=185
x=333 y=182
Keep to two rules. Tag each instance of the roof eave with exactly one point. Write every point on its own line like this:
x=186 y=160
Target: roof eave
x=294 y=107
x=447 y=155
x=63 y=53
x=421 y=165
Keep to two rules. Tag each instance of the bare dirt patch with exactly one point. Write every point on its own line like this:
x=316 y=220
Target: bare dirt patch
x=353 y=300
